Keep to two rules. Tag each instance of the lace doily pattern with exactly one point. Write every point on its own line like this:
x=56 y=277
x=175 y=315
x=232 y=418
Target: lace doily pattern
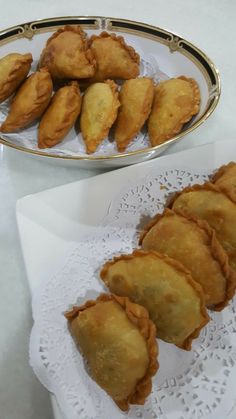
x=73 y=144
x=188 y=385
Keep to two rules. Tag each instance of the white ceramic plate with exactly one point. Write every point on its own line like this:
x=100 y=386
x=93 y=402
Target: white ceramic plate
x=163 y=55
x=54 y=218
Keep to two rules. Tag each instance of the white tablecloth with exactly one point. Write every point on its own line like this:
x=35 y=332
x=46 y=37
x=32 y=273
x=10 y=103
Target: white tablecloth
x=208 y=24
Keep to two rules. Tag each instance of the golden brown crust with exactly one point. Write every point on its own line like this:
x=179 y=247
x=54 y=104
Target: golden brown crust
x=216 y=178
x=16 y=75
x=222 y=170
x=115 y=59
x=138 y=315
x=155 y=140
x=132 y=53
x=36 y=103
x=178 y=267
x=47 y=54
x=135 y=108
x=54 y=124
x=93 y=142
x=217 y=251
x=208 y=186
x=71 y=28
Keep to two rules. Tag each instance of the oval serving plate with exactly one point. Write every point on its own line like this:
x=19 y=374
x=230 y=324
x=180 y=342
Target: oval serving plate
x=163 y=55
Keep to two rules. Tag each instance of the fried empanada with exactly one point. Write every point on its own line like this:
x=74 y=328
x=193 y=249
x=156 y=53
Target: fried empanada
x=117 y=339
x=67 y=55
x=13 y=70
x=208 y=202
x=175 y=102
x=29 y=102
x=194 y=244
x=175 y=302
x=114 y=58
x=60 y=116
x=225 y=179
x=136 y=98
x=99 y=111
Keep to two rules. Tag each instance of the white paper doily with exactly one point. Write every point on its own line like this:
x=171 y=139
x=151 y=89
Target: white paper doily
x=73 y=144
x=188 y=385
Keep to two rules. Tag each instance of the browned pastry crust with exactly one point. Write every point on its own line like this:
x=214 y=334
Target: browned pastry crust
x=217 y=251
x=133 y=54
x=177 y=266
x=205 y=186
x=225 y=179
x=60 y=116
x=96 y=119
x=114 y=66
x=30 y=101
x=18 y=68
x=222 y=170
x=168 y=130
x=81 y=68
x=138 y=315
x=136 y=98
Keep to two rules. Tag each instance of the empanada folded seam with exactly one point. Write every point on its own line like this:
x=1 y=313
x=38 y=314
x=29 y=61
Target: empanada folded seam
x=92 y=142
x=215 y=247
x=138 y=315
x=219 y=254
x=179 y=267
x=132 y=53
x=71 y=28
x=121 y=137
x=187 y=116
x=52 y=129
x=5 y=87
x=208 y=186
x=47 y=56
x=18 y=65
x=220 y=173
x=43 y=88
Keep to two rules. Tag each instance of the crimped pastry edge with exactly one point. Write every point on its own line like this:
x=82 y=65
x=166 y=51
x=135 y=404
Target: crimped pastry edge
x=217 y=251
x=47 y=143
x=24 y=60
x=180 y=268
x=147 y=105
x=42 y=96
x=132 y=53
x=85 y=47
x=187 y=117
x=112 y=117
x=139 y=316
x=218 y=174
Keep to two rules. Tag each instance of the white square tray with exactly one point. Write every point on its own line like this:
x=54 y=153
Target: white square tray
x=50 y=220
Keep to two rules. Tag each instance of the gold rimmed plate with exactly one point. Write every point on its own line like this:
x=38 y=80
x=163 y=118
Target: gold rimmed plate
x=163 y=55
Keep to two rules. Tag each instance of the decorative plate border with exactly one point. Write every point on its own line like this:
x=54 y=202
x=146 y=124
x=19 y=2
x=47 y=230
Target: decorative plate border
x=173 y=41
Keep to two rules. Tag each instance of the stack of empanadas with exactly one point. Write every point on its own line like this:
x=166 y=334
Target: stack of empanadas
x=186 y=264
x=115 y=97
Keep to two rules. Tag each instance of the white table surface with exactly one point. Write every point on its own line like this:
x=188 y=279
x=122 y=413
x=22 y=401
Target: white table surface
x=208 y=24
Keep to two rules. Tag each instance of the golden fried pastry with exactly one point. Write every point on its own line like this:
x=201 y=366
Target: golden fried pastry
x=117 y=339
x=99 y=111
x=225 y=179
x=175 y=102
x=136 y=98
x=208 y=202
x=13 y=70
x=175 y=302
x=194 y=244
x=67 y=55
x=29 y=102
x=114 y=58
x=60 y=116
